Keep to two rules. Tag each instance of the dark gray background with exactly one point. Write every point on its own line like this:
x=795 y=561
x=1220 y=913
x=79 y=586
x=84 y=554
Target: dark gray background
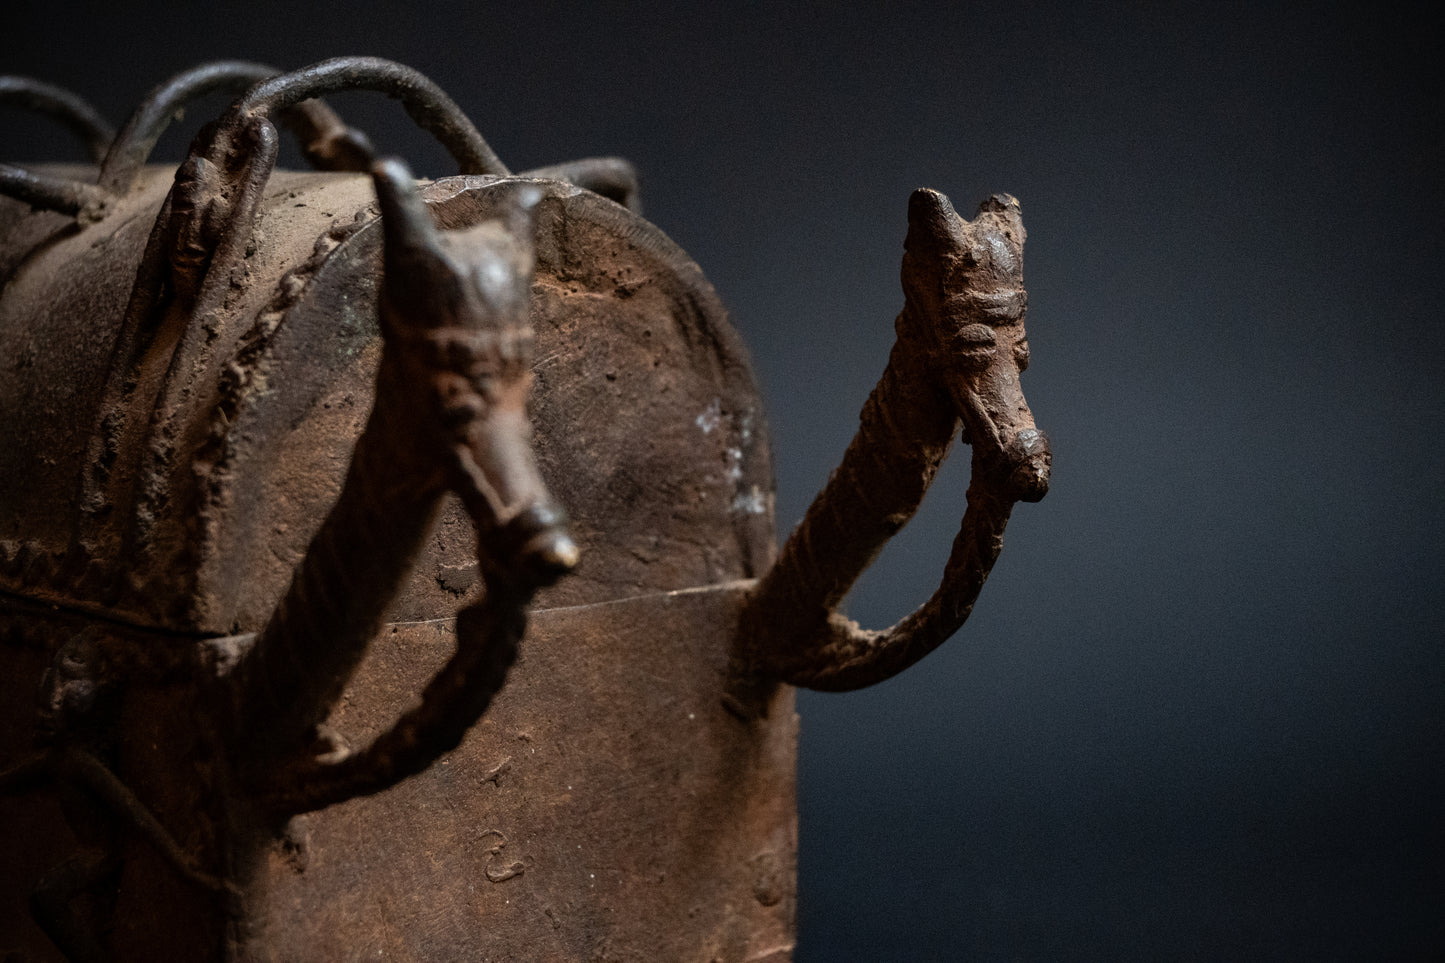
x=1200 y=710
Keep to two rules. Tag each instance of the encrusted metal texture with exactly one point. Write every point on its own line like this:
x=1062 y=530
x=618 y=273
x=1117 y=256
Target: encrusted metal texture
x=647 y=424
x=608 y=802
x=89 y=516
x=389 y=571
x=607 y=807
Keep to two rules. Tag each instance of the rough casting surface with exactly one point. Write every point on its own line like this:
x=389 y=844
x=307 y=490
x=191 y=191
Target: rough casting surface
x=387 y=569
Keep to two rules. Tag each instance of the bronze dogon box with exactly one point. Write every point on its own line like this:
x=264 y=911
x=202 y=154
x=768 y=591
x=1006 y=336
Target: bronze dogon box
x=387 y=570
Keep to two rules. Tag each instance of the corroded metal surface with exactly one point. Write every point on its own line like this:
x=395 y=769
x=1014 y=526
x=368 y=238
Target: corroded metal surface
x=291 y=467
x=960 y=350
x=606 y=798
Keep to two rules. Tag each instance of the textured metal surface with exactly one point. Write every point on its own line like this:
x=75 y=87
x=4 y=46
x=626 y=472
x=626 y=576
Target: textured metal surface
x=956 y=363
x=607 y=807
x=637 y=338
x=291 y=464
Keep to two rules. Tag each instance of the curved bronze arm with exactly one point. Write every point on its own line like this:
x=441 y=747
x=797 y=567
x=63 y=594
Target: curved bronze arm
x=612 y=177
x=449 y=415
x=48 y=192
x=960 y=349
x=70 y=109
x=488 y=635
x=425 y=102
x=325 y=140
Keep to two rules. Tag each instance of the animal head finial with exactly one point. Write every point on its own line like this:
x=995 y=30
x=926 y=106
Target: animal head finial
x=964 y=285
x=477 y=277
x=455 y=311
x=981 y=260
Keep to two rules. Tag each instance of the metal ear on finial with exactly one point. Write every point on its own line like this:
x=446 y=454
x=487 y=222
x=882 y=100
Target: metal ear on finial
x=931 y=219
x=521 y=215
x=404 y=217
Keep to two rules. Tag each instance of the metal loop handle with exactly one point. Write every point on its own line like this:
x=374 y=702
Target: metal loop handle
x=70 y=109
x=48 y=192
x=423 y=100
x=906 y=429
x=488 y=635
x=425 y=435
x=290 y=98
x=313 y=122
x=71 y=197
x=241 y=144
x=612 y=177
x=956 y=361
x=326 y=141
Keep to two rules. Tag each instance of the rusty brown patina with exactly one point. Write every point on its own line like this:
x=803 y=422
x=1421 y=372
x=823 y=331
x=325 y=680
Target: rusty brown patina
x=396 y=561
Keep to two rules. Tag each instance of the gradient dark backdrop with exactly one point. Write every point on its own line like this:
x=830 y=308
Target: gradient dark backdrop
x=1200 y=710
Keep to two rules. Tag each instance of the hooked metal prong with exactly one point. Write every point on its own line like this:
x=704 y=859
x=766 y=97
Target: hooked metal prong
x=70 y=109
x=80 y=200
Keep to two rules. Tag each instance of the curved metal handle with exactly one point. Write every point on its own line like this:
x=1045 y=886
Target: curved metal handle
x=799 y=636
x=325 y=140
x=488 y=635
x=424 y=101
x=49 y=193
x=959 y=351
x=613 y=177
x=315 y=124
x=63 y=194
x=449 y=415
x=219 y=186
x=70 y=109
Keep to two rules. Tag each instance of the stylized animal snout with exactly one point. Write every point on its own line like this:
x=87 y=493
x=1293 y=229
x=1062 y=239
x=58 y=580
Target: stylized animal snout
x=1031 y=461
x=540 y=543
x=521 y=527
x=1008 y=446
